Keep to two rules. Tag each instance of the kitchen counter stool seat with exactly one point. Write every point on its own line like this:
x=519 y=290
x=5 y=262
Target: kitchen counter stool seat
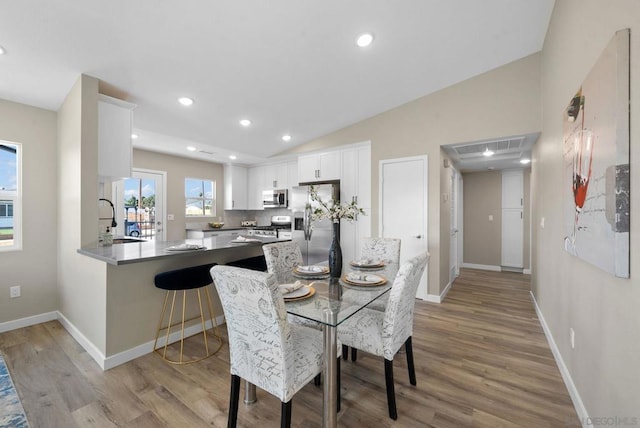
x=192 y=278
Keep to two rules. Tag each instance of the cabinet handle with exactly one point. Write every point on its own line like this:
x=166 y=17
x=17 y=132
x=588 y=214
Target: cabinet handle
x=275 y=184
x=356 y=196
x=233 y=203
x=520 y=214
x=521 y=202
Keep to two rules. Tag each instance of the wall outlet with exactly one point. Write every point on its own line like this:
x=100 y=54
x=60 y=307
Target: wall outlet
x=572 y=335
x=542 y=222
x=170 y=217
x=490 y=217
x=14 y=291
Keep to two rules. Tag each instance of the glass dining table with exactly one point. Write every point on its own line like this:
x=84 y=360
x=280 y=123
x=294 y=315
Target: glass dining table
x=334 y=301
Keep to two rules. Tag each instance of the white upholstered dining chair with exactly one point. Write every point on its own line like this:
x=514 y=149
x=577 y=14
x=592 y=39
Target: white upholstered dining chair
x=282 y=256
x=383 y=333
x=384 y=249
x=265 y=349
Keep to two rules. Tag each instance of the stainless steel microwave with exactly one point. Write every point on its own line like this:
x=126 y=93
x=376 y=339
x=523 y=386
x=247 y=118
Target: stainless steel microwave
x=275 y=198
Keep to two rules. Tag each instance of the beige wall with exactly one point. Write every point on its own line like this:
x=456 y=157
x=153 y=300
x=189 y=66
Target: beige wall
x=483 y=238
x=502 y=102
x=482 y=198
x=34 y=267
x=177 y=170
x=602 y=309
x=81 y=280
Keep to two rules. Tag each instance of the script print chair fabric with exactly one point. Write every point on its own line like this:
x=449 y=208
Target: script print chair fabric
x=383 y=333
x=282 y=256
x=384 y=249
x=265 y=349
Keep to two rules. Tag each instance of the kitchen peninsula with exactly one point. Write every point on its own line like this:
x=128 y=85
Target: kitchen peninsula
x=132 y=303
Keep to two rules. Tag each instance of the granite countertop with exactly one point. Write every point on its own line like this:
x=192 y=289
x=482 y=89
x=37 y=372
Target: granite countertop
x=136 y=252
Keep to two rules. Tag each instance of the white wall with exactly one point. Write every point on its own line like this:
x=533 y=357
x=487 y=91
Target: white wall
x=603 y=310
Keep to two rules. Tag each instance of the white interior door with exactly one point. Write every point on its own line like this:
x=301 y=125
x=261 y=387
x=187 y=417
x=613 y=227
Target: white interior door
x=512 y=219
x=453 y=245
x=403 y=207
x=139 y=204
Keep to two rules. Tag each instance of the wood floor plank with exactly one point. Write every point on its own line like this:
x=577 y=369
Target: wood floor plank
x=481 y=360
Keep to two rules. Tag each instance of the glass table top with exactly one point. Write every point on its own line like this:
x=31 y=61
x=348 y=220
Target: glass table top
x=335 y=299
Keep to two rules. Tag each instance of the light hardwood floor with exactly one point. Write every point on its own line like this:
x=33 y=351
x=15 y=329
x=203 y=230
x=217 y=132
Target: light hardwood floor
x=481 y=361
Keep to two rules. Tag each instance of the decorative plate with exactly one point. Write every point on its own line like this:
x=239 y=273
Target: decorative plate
x=301 y=293
x=362 y=279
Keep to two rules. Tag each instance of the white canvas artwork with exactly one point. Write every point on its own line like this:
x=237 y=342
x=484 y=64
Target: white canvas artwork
x=596 y=163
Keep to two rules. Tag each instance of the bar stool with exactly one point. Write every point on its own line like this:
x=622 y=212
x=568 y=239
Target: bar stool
x=191 y=278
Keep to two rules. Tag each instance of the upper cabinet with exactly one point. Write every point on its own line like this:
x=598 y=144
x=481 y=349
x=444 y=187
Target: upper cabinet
x=254 y=188
x=114 y=137
x=355 y=184
x=276 y=176
x=235 y=187
x=319 y=167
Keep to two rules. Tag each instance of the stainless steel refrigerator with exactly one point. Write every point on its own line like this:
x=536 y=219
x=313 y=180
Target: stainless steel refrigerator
x=313 y=237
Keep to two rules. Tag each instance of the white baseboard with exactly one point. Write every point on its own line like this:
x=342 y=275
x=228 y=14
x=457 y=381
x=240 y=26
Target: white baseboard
x=434 y=298
x=581 y=410
x=88 y=345
x=482 y=267
x=112 y=361
x=28 y=321
x=146 y=348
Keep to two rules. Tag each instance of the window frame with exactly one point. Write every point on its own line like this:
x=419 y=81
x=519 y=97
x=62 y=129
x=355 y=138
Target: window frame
x=14 y=196
x=203 y=199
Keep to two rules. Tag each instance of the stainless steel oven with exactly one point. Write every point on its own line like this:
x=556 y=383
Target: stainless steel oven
x=275 y=198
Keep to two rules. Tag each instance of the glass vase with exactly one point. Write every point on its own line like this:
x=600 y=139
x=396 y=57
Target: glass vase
x=335 y=253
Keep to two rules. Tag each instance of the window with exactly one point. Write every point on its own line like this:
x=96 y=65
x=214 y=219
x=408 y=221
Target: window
x=10 y=197
x=200 y=198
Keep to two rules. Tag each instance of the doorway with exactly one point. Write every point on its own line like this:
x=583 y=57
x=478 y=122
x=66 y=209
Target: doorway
x=403 y=207
x=139 y=204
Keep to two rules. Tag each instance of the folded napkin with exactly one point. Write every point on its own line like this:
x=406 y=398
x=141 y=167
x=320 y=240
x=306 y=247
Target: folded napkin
x=361 y=277
x=288 y=288
x=312 y=269
x=367 y=262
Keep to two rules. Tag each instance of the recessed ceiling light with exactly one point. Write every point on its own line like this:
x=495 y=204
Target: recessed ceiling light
x=134 y=136
x=245 y=122
x=233 y=157
x=525 y=161
x=185 y=101
x=488 y=152
x=364 y=40
x=286 y=137
x=2 y=51
x=191 y=148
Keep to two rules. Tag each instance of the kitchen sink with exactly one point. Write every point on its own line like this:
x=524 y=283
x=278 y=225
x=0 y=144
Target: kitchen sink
x=126 y=240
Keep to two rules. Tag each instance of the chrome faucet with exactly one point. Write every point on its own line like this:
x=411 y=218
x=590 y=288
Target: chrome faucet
x=113 y=212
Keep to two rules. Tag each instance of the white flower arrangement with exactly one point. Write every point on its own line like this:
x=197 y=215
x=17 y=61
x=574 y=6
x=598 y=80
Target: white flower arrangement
x=333 y=210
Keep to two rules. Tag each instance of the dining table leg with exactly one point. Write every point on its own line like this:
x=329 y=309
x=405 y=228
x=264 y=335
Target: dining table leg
x=249 y=393
x=330 y=388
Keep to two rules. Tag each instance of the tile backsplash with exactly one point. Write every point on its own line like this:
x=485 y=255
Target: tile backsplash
x=233 y=218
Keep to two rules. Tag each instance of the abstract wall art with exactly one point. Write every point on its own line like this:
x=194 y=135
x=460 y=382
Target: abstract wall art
x=596 y=163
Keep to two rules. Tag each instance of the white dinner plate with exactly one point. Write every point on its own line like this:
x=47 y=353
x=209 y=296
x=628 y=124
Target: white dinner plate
x=312 y=270
x=364 y=279
x=300 y=292
x=367 y=263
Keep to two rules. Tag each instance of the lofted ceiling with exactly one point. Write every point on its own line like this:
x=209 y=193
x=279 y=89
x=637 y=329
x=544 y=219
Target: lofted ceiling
x=290 y=66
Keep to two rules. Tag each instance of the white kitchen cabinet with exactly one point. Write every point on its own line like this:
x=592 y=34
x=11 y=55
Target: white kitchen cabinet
x=355 y=181
x=235 y=187
x=292 y=174
x=355 y=185
x=512 y=219
x=319 y=167
x=512 y=189
x=276 y=176
x=255 y=188
x=114 y=137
